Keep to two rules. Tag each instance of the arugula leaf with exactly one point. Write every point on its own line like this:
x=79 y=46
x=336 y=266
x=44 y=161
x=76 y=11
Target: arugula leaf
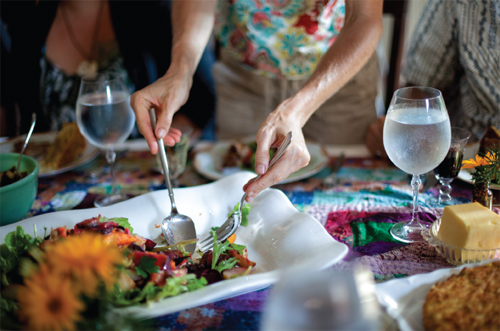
x=146 y=266
x=122 y=221
x=226 y=264
x=238 y=248
x=218 y=249
x=245 y=210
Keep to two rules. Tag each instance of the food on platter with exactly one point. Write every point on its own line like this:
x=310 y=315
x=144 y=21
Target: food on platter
x=66 y=147
x=471 y=226
x=490 y=139
x=11 y=176
x=466 y=301
x=35 y=149
x=242 y=155
x=101 y=255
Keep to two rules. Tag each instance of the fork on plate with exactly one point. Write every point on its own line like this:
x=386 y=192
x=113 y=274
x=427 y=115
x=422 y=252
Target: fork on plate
x=233 y=222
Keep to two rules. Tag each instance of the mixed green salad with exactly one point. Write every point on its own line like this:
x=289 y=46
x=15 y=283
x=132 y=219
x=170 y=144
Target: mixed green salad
x=143 y=271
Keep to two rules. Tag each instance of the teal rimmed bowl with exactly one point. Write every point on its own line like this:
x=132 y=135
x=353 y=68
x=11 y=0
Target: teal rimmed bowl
x=17 y=198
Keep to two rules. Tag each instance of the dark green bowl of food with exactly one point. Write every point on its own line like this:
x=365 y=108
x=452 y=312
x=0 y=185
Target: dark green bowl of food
x=16 y=194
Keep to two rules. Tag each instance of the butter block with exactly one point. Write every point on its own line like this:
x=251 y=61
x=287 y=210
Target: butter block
x=470 y=226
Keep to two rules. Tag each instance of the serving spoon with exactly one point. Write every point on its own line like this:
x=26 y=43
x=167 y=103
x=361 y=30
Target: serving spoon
x=33 y=122
x=176 y=228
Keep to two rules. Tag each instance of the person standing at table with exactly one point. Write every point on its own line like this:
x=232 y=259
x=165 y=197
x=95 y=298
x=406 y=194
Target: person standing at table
x=285 y=66
x=456 y=49
x=47 y=46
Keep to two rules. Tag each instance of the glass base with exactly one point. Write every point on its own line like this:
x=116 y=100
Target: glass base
x=408 y=234
x=434 y=202
x=108 y=200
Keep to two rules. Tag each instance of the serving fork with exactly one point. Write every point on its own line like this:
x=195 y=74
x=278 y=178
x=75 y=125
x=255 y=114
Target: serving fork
x=234 y=220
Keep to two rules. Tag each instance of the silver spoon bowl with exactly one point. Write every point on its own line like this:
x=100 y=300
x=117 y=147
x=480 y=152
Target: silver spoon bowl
x=176 y=228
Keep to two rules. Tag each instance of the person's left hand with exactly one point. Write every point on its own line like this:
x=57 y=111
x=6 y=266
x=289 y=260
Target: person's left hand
x=271 y=133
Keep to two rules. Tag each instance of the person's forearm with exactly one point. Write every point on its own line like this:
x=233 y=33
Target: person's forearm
x=192 y=24
x=347 y=55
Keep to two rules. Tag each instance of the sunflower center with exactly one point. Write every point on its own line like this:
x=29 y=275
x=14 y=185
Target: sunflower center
x=54 y=305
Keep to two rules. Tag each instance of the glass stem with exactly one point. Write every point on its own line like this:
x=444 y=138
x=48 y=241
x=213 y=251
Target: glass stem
x=415 y=185
x=445 y=190
x=111 y=157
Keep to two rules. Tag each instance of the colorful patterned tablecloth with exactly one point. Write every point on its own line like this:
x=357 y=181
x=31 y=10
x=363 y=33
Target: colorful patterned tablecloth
x=371 y=196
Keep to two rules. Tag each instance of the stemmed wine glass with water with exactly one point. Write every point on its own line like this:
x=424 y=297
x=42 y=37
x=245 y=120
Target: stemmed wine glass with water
x=105 y=119
x=417 y=136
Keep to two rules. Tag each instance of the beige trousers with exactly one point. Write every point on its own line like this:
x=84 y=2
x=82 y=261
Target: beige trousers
x=244 y=100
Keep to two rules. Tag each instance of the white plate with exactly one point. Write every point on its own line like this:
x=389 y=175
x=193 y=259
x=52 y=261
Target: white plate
x=278 y=237
x=208 y=163
x=88 y=154
x=404 y=298
x=466 y=176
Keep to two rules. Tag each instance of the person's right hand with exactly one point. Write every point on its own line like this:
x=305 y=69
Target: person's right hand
x=374 y=138
x=166 y=95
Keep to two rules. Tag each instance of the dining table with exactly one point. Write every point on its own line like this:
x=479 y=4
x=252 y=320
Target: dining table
x=370 y=196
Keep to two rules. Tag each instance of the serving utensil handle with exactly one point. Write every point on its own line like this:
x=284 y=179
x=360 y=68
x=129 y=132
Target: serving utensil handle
x=164 y=161
x=33 y=122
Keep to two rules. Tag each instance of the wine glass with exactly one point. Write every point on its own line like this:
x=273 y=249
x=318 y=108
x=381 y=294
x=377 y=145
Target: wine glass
x=105 y=119
x=417 y=136
x=448 y=170
x=177 y=155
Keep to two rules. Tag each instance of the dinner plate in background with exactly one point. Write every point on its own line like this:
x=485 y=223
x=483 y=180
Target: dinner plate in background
x=470 y=150
x=279 y=238
x=37 y=147
x=466 y=176
x=404 y=298
x=208 y=162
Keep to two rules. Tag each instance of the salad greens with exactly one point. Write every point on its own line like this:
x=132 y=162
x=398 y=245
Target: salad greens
x=245 y=210
x=217 y=251
x=150 y=292
x=146 y=273
x=16 y=245
x=122 y=221
x=146 y=267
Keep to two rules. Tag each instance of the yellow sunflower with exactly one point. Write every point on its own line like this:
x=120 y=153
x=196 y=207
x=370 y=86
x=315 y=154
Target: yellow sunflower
x=87 y=259
x=49 y=302
x=479 y=161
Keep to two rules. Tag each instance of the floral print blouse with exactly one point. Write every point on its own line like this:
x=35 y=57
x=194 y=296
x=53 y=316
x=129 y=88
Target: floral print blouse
x=279 y=38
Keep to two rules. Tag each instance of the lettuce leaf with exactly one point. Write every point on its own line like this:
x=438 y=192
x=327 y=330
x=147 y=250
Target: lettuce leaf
x=174 y=286
x=122 y=221
x=238 y=248
x=226 y=264
x=245 y=210
x=16 y=244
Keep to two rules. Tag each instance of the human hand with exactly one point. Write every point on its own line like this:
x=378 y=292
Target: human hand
x=166 y=95
x=374 y=138
x=271 y=133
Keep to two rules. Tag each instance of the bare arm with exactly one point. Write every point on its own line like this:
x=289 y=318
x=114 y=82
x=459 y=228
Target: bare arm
x=347 y=55
x=192 y=23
